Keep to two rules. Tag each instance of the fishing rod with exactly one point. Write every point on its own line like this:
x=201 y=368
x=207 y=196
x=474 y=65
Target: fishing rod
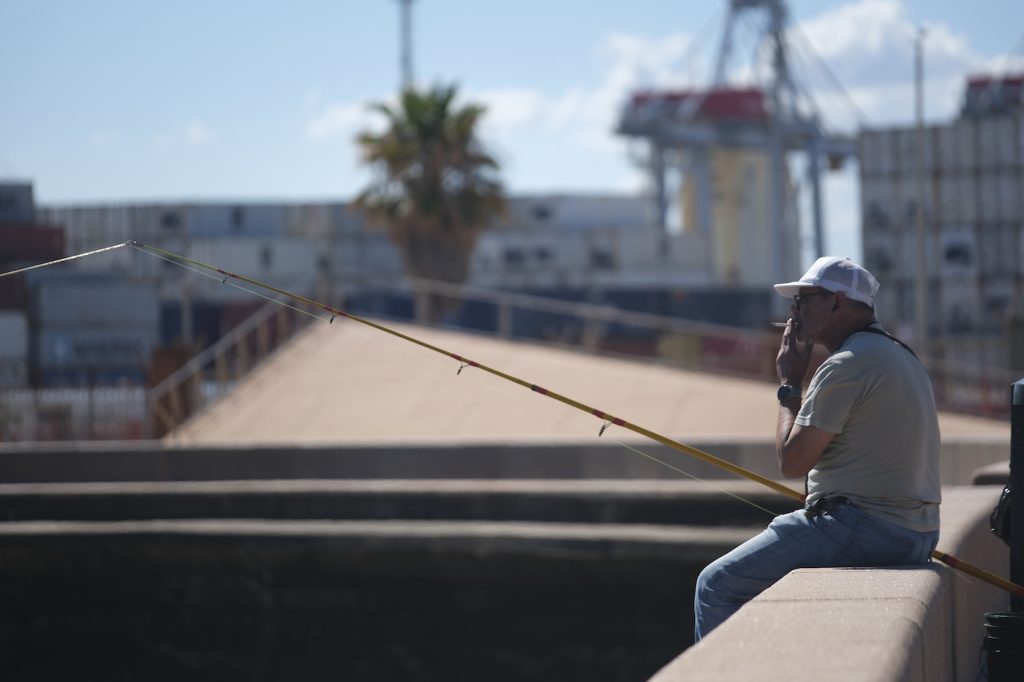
x=607 y=418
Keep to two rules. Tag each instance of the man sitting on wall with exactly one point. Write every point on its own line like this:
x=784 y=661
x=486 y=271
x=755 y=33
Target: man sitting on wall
x=864 y=433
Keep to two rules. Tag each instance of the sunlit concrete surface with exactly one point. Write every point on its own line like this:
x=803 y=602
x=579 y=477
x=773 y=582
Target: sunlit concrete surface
x=886 y=624
x=347 y=383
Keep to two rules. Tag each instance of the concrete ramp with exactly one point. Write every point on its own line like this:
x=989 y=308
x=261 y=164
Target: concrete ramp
x=348 y=383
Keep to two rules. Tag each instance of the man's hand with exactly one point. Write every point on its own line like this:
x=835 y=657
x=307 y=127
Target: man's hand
x=798 y=447
x=794 y=357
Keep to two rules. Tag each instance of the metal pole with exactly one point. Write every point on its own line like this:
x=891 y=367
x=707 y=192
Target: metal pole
x=814 y=171
x=777 y=163
x=406 y=28
x=920 y=275
x=1017 y=485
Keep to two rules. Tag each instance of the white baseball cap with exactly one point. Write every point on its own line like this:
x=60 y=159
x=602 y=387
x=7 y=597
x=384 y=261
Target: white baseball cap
x=835 y=274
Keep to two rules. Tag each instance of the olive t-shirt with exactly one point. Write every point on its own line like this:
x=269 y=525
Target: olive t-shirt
x=877 y=398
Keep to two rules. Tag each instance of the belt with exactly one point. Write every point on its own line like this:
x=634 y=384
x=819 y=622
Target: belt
x=824 y=505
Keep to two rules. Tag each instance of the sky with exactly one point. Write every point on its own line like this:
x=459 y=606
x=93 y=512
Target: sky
x=110 y=101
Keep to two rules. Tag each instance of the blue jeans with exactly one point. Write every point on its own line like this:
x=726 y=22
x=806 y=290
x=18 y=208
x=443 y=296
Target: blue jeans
x=842 y=536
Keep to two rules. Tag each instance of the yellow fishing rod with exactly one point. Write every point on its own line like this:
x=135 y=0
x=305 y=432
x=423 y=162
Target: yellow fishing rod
x=608 y=419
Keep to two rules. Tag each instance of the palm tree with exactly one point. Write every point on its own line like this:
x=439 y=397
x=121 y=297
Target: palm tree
x=434 y=188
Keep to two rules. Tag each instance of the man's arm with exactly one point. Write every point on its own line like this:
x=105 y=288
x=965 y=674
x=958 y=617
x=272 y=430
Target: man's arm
x=798 y=447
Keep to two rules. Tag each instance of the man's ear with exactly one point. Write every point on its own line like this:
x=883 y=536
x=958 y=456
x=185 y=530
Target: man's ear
x=837 y=300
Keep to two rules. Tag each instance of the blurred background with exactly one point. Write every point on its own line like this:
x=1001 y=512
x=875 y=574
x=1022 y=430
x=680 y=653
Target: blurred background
x=635 y=146
x=616 y=181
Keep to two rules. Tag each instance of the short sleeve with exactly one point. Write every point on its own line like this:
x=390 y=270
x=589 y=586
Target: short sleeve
x=830 y=397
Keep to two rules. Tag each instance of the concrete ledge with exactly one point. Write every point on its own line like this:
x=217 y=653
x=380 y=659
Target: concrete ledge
x=919 y=624
x=688 y=503
x=840 y=624
x=960 y=456
x=992 y=474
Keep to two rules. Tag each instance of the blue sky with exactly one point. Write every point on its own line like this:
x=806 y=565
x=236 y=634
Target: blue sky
x=118 y=100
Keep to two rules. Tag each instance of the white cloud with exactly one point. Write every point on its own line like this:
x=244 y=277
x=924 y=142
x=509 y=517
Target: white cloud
x=511 y=107
x=587 y=116
x=336 y=120
x=869 y=46
x=197 y=133
x=345 y=119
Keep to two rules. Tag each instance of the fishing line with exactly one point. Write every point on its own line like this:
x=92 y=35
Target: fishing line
x=63 y=260
x=501 y=390
x=676 y=445
x=278 y=300
x=607 y=419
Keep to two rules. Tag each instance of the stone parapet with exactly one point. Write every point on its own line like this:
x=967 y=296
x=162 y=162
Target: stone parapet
x=901 y=624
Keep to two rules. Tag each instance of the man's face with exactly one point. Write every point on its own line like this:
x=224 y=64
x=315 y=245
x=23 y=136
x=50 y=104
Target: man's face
x=810 y=312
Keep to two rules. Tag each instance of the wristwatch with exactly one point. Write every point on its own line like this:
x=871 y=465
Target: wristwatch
x=787 y=391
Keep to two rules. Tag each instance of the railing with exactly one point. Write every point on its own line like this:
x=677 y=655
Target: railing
x=213 y=373
x=86 y=413
x=749 y=353
x=130 y=412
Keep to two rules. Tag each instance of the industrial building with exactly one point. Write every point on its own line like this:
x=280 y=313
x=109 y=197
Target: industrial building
x=971 y=182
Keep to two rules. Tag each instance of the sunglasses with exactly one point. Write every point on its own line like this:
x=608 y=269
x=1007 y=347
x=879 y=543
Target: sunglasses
x=800 y=299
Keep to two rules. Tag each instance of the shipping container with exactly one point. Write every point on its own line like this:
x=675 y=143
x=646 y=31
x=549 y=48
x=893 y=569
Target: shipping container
x=283 y=262
x=987 y=135
x=207 y=322
x=906 y=242
x=886 y=151
x=906 y=142
x=947 y=199
x=1009 y=248
x=966 y=207
x=878 y=204
x=931 y=152
x=996 y=292
x=374 y=253
x=947 y=158
x=13 y=349
x=988 y=188
x=880 y=254
x=236 y=220
x=959 y=299
x=17 y=204
x=1019 y=227
x=989 y=244
x=959 y=252
x=85 y=347
x=905 y=187
x=1009 y=197
x=1008 y=152
x=82 y=298
x=29 y=244
x=13 y=335
x=559 y=212
x=13 y=373
x=966 y=144
x=322 y=221
x=867 y=154
x=13 y=293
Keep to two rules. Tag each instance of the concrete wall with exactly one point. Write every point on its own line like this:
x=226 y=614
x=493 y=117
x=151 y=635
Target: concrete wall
x=361 y=580
x=900 y=624
x=202 y=563
x=594 y=459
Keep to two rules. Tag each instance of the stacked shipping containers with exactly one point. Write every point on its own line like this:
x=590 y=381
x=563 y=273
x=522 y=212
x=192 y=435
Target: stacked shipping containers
x=973 y=181
x=22 y=242
x=91 y=328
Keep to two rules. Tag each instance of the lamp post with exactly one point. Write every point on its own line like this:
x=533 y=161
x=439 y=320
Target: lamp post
x=920 y=274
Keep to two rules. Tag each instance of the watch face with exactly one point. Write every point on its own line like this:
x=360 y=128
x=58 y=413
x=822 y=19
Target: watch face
x=785 y=390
